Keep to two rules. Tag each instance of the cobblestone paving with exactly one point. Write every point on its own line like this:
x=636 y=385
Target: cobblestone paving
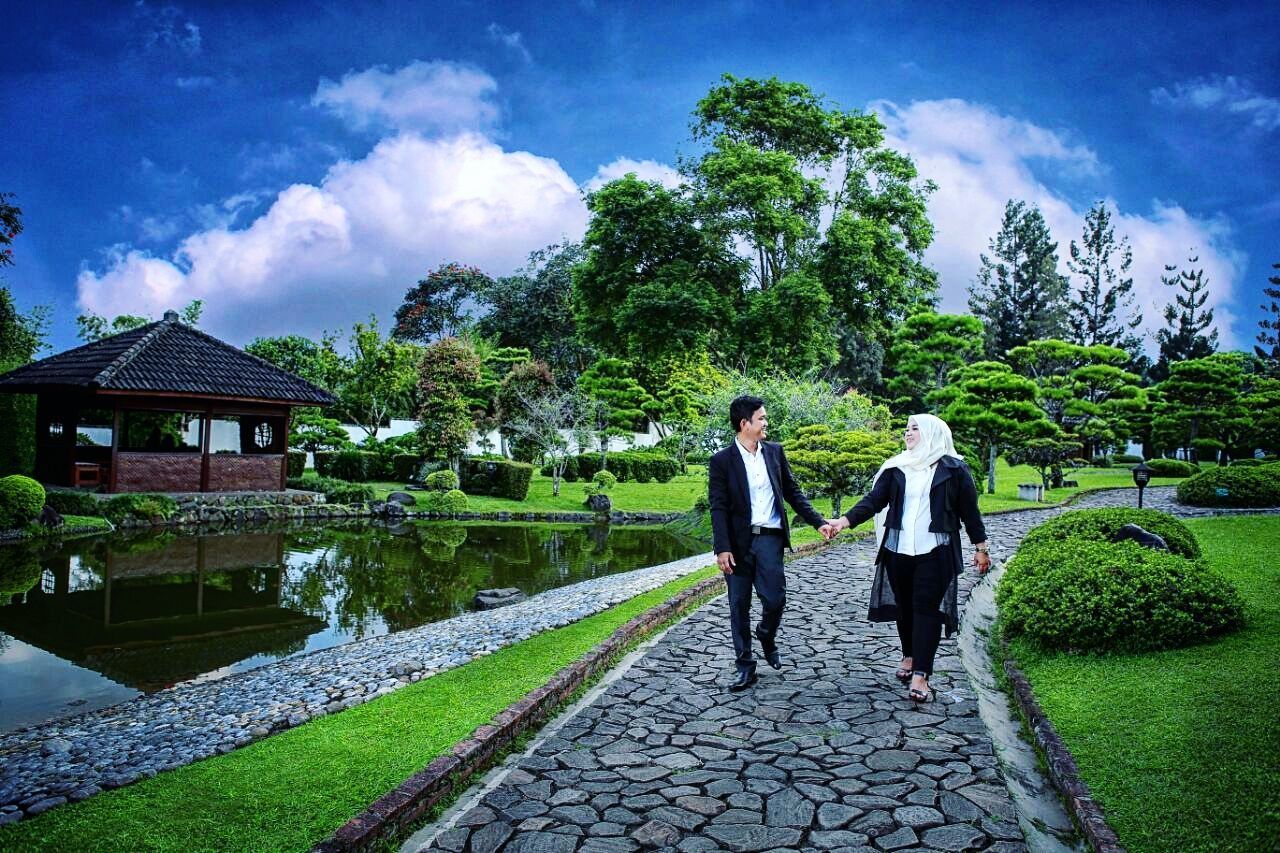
x=826 y=754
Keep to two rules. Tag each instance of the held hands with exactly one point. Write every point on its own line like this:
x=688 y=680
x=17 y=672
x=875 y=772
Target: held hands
x=832 y=528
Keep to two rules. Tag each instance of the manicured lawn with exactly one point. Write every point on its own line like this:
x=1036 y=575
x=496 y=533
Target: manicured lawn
x=291 y=790
x=1181 y=747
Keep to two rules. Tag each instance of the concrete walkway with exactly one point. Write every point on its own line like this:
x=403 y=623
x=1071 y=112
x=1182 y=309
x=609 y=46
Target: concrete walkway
x=826 y=754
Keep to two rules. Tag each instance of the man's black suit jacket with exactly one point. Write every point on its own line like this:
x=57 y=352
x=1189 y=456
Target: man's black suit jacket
x=730 y=498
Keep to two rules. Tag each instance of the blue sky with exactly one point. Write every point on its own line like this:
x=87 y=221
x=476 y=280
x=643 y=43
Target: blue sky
x=299 y=165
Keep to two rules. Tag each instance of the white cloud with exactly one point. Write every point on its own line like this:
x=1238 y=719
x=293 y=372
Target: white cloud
x=645 y=170
x=164 y=28
x=323 y=256
x=981 y=159
x=422 y=96
x=511 y=40
x=1227 y=93
x=194 y=82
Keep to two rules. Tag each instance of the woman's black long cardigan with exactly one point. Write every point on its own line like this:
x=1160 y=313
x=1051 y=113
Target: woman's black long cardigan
x=953 y=499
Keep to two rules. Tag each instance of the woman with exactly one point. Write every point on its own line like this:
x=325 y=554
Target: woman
x=919 y=499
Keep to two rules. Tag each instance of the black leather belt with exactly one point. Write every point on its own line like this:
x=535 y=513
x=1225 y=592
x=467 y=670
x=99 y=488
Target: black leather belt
x=757 y=530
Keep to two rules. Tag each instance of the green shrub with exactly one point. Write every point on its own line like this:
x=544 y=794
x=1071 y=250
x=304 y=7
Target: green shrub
x=441 y=481
x=1126 y=459
x=73 y=503
x=450 y=502
x=1101 y=462
x=19 y=571
x=18 y=435
x=407 y=467
x=497 y=477
x=1170 y=468
x=1103 y=524
x=21 y=499
x=1233 y=486
x=701 y=504
x=1082 y=595
x=354 y=466
x=335 y=491
x=144 y=506
x=629 y=466
x=1247 y=462
x=297 y=462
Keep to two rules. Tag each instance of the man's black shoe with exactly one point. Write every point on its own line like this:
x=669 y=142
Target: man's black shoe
x=743 y=681
x=772 y=658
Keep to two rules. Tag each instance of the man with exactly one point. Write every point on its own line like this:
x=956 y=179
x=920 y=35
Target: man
x=749 y=480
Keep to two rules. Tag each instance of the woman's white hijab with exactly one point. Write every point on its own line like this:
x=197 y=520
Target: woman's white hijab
x=935 y=442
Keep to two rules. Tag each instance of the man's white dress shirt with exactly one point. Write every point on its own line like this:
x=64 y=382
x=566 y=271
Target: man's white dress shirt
x=764 y=506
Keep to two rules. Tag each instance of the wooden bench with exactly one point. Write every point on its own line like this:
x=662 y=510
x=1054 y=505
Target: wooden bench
x=87 y=474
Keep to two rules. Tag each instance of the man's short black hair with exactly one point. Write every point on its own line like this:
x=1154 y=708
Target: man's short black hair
x=743 y=409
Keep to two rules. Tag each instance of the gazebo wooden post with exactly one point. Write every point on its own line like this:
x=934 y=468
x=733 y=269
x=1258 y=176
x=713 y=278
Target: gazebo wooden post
x=117 y=419
x=284 y=461
x=206 y=426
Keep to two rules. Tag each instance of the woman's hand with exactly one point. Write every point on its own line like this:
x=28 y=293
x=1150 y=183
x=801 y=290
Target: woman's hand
x=982 y=558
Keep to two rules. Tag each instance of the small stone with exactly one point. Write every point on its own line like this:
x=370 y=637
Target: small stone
x=541 y=842
x=905 y=837
x=708 y=806
x=746 y=838
x=490 y=837
x=836 y=815
x=44 y=805
x=655 y=833
x=788 y=808
x=918 y=817
x=955 y=837
x=568 y=797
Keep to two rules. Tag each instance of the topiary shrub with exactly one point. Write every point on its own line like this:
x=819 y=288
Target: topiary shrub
x=496 y=477
x=1126 y=459
x=1080 y=595
x=1102 y=525
x=1101 y=462
x=600 y=483
x=143 y=506
x=334 y=491
x=450 y=502
x=19 y=571
x=73 y=503
x=1233 y=486
x=441 y=481
x=297 y=462
x=1247 y=462
x=407 y=467
x=21 y=499
x=354 y=466
x=1171 y=468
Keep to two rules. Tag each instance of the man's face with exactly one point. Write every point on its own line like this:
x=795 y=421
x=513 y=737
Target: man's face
x=756 y=428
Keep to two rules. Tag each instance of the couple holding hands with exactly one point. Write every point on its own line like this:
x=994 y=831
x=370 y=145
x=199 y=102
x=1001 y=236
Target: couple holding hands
x=919 y=499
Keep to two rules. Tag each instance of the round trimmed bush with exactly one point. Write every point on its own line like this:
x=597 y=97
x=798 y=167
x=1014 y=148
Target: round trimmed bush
x=452 y=501
x=604 y=480
x=1126 y=459
x=1081 y=595
x=441 y=481
x=21 y=499
x=1233 y=486
x=1171 y=468
x=1103 y=524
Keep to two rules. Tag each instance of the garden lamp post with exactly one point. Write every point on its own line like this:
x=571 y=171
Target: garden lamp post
x=1141 y=476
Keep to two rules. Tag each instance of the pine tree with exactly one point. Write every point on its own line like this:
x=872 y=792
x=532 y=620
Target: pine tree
x=1019 y=294
x=1186 y=319
x=1095 y=315
x=1268 y=348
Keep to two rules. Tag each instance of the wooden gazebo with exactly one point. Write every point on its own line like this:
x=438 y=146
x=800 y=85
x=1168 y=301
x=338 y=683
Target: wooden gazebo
x=162 y=408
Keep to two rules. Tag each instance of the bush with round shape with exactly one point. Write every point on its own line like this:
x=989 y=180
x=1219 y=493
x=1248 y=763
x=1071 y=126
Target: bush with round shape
x=1170 y=468
x=604 y=480
x=1247 y=462
x=1126 y=459
x=1103 y=524
x=449 y=502
x=441 y=481
x=21 y=499
x=1079 y=595
x=19 y=571
x=1233 y=486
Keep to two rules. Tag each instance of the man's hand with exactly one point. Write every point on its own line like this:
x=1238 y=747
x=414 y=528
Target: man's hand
x=726 y=562
x=836 y=525
x=827 y=531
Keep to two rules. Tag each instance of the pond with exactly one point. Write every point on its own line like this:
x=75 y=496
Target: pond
x=92 y=622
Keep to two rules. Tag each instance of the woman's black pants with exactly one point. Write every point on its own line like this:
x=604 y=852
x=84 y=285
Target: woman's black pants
x=919 y=583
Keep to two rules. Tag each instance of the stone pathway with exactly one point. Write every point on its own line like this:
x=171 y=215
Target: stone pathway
x=826 y=754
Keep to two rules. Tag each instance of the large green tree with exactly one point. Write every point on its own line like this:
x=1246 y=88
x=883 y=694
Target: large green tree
x=926 y=348
x=835 y=463
x=93 y=327
x=792 y=326
x=379 y=378
x=1019 y=294
x=1186 y=319
x=10 y=227
x=21 y=337
x=448 y=370
x=435 y=307
x=1268 y=346
x=1197 y=401
x=317 y=362
x=1100 y=309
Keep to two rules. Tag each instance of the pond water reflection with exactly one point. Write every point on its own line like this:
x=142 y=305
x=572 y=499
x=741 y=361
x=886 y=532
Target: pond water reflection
x=92 y=622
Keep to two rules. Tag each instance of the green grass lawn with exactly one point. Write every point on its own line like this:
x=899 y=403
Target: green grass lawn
x=1181 y=747
x=291 y=790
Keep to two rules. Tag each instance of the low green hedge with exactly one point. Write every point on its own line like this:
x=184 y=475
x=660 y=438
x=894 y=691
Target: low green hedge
x=1080 y=595
x=297 y=462
x=354 y=466
x=1171 y=468
x=1126 y=459
x=144 y=506
x=1103 y=524
x=497 y=477
x=335 y=491
x=21 y=499
x=629 y=466
x=1255 y=486
x=1246 y=462
x=73 y=503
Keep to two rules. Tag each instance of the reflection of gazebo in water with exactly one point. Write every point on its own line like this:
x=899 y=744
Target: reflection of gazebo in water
x=162 y=408
x=191 y=606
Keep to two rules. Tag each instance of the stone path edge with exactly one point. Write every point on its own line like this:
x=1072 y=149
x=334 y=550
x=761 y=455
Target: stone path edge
x=450 y=774
x=1064 y=773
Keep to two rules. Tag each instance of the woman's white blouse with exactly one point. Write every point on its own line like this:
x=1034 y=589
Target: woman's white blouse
x=915 y=537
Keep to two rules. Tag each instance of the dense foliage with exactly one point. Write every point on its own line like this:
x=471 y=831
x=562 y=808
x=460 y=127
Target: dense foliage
x=1242 y=486
x=497 y=477
x=141 y=506
x=1103 y=524
x=21 y=499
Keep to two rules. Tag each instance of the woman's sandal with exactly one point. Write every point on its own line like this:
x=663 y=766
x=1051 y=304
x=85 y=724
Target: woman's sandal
x=903 y=674
x=920 y=696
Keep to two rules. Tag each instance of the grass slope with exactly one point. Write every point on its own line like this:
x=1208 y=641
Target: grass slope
x=1180 y=746
x=291 y=790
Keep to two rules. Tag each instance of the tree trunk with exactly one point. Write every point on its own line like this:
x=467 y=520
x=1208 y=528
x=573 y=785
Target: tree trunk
x=835 y=505
x=991 y=470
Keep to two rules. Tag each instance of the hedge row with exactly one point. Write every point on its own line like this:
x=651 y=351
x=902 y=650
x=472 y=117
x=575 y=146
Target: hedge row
x=1083 y=593
x=1239 y=486
x=500 y=478
x=335 y=491
x=1171 y=468
x=355 y=466
x=637 y=466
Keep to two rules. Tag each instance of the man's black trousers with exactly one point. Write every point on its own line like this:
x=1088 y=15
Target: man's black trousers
x=761 y=569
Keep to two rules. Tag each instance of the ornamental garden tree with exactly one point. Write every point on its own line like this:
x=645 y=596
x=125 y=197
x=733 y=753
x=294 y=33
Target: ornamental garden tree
x=834 y=463
x=926 y=348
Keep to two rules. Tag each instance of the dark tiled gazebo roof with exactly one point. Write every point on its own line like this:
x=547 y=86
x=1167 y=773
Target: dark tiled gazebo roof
x=166 y=357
